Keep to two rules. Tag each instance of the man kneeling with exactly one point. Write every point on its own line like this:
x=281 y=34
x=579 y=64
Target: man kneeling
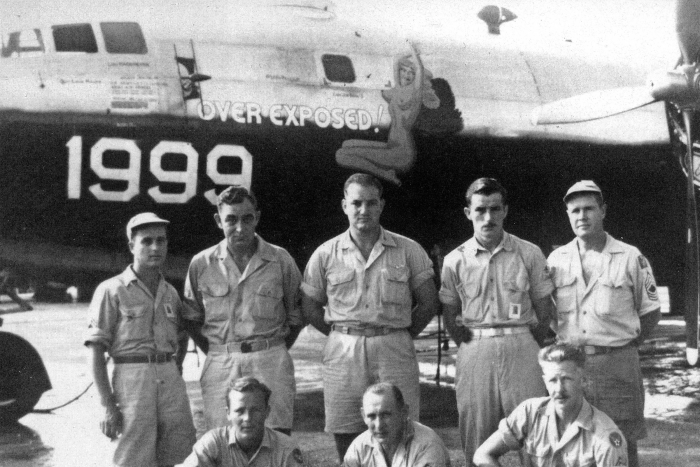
x=246 y=442
x=392 y=439
x=562 y=429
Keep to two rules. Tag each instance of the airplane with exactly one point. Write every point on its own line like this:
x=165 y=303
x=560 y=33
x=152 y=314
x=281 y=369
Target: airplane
x=110 y=109
x=679 y=89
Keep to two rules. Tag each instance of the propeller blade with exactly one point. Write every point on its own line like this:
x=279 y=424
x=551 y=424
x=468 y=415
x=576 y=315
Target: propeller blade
x=593 y=105
x=692 y=249
x=688 y=29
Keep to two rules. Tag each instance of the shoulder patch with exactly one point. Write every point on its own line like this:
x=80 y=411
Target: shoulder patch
x=297 y=456
x=643 y=263
x=650 y=287
x=615 y=439
x=460 y=249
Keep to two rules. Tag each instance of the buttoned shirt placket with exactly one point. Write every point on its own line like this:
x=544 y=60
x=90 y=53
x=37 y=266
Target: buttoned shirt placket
x=490 y=286
x=155 y=302
x=374 y=255
x=583 y=290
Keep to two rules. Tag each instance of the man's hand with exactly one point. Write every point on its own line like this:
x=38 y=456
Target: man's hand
x=111 y=426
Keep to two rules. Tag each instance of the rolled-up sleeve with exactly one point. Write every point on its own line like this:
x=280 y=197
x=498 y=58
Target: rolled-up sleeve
x=193 y=309
x=103 y=315
x=205 y=453
x=420 y=264
x=448 y=287
x=314 y=285
x=541 y=283
x=513 y=428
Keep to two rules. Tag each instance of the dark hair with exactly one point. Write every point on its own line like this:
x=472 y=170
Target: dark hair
x=365 y=180
x=236 y=194
x=486 y=186
x=558 y=353
x=578 y=194
x=383 y=389
x=248 y=384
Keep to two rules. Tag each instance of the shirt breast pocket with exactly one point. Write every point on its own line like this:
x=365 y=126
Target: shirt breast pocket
x=469 y=296
x=267 y=297
x=585 y=460
x=565 y=293
x=341 y=287
x=517 y=289
x=395 y=288
x=213 y=296
x=539 y=455
x=615 y=294
x=134 y=325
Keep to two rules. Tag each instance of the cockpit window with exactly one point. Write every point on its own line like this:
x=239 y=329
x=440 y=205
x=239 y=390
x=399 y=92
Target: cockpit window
x=74 y=38
x=28 y=43
x=338 y=68
x=123 y=38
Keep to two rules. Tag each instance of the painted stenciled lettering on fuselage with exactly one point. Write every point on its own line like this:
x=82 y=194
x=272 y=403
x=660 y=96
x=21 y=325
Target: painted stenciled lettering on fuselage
x=250 y=113
x=130 y=173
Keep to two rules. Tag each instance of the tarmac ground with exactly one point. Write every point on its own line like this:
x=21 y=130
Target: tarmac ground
x=70 y=436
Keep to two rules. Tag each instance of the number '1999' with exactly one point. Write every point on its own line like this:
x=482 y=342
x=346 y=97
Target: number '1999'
x=131 y=174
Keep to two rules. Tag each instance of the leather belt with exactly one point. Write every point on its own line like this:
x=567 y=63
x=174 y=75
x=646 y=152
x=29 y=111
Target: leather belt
x=601 y=349
x=498 y=332
x=156 y=358
x=246 y=347
x=365 y=332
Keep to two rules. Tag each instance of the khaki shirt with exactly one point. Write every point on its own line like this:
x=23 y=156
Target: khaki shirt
x=260 y=303
x=219 y=448
x=606 y=311
x=420 y=447
x=376 y=292
x=495 y=289
x=128 y=320
x=592 y=439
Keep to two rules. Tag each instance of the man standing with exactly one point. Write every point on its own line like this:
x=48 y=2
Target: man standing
x=560 y=428
x=243 y=295
x=135 y=317
x=245 y=441
x=369 y=278
x=496 y=295
x=607 y=302
x=392 y=438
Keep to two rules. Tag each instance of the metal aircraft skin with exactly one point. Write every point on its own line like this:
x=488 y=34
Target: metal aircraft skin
x=113 y=108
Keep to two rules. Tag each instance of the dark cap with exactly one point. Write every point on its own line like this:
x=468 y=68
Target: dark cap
x=584 y=186
x=143 y=219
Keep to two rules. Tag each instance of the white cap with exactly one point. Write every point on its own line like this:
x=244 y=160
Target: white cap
x=584 y=186
x=143 y=219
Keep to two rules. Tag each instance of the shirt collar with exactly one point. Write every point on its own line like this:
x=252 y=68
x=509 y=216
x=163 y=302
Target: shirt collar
x=129 y=276
x=474 y=247
x=612 y=245
x=232 y=441
x=408 y=434
x=264 y=250
x=384 y=238
x=584 y=419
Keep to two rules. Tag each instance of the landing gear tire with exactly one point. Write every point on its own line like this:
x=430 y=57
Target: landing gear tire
x=23 y=378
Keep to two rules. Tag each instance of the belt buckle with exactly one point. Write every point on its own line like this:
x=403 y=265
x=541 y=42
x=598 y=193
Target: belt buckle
x=589 y=349
x=246 y=347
